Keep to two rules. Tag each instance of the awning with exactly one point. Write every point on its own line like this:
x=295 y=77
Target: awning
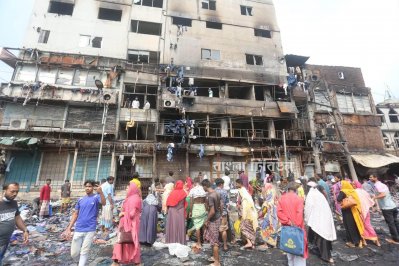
x=375 y=160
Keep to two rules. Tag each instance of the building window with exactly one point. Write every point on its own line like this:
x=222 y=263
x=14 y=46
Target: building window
x=90 y=41
x=209 y=54
x=254 y=59
x=60 y=8
x=110 y=14
x=209 y=4
x=145 y=27
x=393 y=116
x=386 y=141
x=341 y=75
x=322 y=101
x=345 y=103
x=381 y=114
x=151 y=3
x=263 y=33
x=43 y=37
x=146 y=57
x=396 y=139
x=181 y=21
x=362 y=103
x=214 y=25
x=246 y=10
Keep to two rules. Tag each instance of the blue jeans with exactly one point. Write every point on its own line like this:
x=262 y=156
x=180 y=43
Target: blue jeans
x=3 y=249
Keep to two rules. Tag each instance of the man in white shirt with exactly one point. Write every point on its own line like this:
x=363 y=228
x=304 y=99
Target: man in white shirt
x=136 y=103
x=227 y=180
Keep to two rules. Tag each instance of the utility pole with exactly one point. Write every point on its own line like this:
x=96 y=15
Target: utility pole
x=338 y=123
x=317 y=164
x=104 y=120
x=285 y=154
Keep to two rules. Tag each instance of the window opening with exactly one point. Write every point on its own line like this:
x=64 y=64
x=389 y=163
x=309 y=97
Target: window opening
x=110 y=14
x=254 y=59
x=151 y=3
x=393 y=116
x=44 y=35
x=145 y=27
x=182 y=21
x=89 y=41
x=210 y=54
x=209 y=4
x=147 y=57
x=246 y=10
x=60 y=8
x=262 y=33
x=214 y=25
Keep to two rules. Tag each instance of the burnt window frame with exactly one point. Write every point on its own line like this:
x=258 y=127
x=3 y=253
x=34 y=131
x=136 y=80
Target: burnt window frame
x=61 y=6
x=212 y=23
x=263 y=33
x=135 y=27
x=246 y=10
x=91 y=39
x=103 y=9
x=154 y=3
x=43 y=39
x=153 y=56
x=212 y=51
x=393 y=116
x=187 y=22
x=254 y=59
x=208 y=4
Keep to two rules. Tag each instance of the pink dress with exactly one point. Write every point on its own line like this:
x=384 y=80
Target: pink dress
x=130 y=252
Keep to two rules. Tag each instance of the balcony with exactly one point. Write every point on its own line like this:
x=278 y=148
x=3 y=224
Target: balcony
x=40 y=91
x=215 y=105
x=138 y=115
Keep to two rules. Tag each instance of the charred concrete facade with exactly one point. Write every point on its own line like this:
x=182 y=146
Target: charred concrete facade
x=209 y=78
x=389 y=113
x=356 y=123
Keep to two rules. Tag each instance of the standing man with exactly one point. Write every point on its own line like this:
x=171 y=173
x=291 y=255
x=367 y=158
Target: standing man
x=170 y=178
x=213 y=220
x=45 y=199
x=244 y=179
x=85 y=217
x=65 y=195
x=9 y=217
x=106 y=220
x=290 y=212
x=388 y=208
x=227 y=181
x=224 y=226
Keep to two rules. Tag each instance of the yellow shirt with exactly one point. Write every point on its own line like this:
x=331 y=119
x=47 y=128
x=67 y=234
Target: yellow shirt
x=137 y=182
x=301 y=192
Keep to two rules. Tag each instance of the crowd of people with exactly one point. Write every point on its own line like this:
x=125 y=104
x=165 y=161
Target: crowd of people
x=218 y=211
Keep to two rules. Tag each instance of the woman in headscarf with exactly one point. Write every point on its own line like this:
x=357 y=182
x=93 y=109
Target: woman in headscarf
x=367 y=203
x=175 y=223
x=168 y=189
x=128 y=253
x=149 y=220
x=249 y=216
x=320 y=221
x=270 y=225
x=198 y=211
x=352 y=218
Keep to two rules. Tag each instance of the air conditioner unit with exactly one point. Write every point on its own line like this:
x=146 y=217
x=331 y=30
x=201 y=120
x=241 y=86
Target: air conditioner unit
x=18 y=124
x=169 y=104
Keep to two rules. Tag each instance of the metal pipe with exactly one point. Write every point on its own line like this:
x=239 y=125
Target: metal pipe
x=104 y=120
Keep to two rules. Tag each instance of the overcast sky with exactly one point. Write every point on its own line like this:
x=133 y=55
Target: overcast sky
x=357 y=33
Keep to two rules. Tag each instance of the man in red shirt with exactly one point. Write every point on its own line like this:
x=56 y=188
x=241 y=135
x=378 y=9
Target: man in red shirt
x=290 y=212
x=45 y=199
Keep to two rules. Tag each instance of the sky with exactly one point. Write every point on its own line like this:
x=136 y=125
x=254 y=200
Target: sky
x=354 y=33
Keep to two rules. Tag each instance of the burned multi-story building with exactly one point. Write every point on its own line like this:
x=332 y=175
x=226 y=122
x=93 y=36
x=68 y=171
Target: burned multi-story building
x=343 y=121
x=185 y=86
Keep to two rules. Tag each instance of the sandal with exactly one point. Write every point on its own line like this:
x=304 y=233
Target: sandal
x=349 y=244
x=211 y=259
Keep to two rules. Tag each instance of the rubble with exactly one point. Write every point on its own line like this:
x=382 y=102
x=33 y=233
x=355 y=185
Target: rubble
x=46 y=247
